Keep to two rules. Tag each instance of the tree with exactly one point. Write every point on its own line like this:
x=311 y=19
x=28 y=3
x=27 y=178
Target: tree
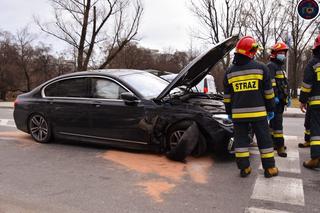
x=218 y=23
x=91 y=26
x=266 y=22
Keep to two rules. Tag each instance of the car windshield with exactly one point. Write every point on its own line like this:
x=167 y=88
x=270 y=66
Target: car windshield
x=149 y=85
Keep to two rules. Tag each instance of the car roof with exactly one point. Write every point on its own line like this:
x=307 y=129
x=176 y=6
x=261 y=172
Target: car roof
x=107 y=72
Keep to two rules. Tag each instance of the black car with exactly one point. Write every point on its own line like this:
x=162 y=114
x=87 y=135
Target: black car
x=127 y=108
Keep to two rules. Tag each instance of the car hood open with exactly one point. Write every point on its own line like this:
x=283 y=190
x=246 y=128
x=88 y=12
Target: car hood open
x=197 y=69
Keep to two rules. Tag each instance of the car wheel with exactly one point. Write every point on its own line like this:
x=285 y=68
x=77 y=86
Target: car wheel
x=39 y=128
x=175 y=133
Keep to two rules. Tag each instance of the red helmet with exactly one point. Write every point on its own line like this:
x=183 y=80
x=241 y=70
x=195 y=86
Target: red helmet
x=316 y=42
x=278 y=47
x=247 y=46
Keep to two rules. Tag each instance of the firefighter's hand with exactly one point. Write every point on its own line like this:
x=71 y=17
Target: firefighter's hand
x=276 y=99
x=303 y=107
x=270 y=116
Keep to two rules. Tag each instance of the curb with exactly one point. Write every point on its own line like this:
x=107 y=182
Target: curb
x=294 y=115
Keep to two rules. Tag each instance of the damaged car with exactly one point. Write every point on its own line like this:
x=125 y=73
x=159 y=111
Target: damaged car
x=131 y=109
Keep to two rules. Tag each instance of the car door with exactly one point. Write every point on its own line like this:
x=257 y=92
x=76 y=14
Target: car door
x=69 y=105
x=111 y=118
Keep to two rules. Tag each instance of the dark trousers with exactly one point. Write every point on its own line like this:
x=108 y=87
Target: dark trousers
x=276 y=126
x=307 y=126
x=261 y=130
x=315 y=133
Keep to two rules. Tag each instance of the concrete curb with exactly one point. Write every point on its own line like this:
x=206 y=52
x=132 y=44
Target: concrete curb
x=294 y=115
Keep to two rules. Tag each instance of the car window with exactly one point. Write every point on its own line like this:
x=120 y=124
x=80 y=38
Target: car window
x=75 y=87
x=149 y=85
x=106 y=89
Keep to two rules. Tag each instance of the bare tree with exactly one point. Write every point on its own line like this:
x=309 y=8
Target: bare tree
x=25 y=53
x=265 y=22
x=91 y=25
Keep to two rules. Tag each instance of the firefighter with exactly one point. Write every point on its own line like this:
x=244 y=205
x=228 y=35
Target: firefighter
x=310 y=95
x=306 y=130
x=280 y=86
x=249 y=98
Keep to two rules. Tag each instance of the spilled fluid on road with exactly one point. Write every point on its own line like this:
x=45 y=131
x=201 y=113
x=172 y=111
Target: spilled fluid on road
x=170 y=174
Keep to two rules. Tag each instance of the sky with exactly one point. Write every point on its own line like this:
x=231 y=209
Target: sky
x=166 y=24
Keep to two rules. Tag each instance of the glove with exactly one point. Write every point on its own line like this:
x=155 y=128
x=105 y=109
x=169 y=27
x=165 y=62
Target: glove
x=276 y=99
x=270 y=116
x=288 y=102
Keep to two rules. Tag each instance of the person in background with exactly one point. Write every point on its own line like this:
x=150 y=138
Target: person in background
x=310 y=96
x=281 y=90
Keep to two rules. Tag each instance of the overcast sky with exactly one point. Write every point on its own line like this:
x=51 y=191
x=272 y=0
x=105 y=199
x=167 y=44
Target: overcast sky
x=166 y=23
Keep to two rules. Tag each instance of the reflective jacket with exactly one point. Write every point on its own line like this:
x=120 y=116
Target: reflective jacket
x=279 y=81
x=248 y=92
x=310 y=88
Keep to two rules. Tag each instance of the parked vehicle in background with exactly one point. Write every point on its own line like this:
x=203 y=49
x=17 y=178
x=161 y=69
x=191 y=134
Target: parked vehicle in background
x=206 y=85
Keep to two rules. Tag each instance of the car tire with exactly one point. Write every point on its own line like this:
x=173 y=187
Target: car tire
x=39 y=128
x=175 y=132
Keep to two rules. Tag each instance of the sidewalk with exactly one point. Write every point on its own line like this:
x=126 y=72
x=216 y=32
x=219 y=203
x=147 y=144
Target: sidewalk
x=4 y=104
x=291 y=112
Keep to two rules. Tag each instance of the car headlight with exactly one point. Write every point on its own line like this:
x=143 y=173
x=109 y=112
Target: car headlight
x=222 y=119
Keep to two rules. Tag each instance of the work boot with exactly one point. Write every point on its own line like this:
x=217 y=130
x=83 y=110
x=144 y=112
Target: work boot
x=312 y=164
x=282 y=152
x=304 y=145
x=245 y=172
x=271 y=172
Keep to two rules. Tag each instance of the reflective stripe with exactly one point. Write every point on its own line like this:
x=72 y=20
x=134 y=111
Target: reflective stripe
x=227 y=96
x=250 y=115
x=249 y=109
x=307 y=132
x=245 y=72
x=315 y=138
x=316 y=65
x=305 y=85
x=242 y=154
x=277 y=135
x=226 y=100
x=245 y=77
x=314 y=98
x=311 y=103
x=278 y=131
x=279 y=76
x=315 y=143
x=268 y=92
x=268 y=155
x=274 y=84
x=317 y=69
x=268 y=150
x=268 y=97
x=303 y=89
x=243 y=149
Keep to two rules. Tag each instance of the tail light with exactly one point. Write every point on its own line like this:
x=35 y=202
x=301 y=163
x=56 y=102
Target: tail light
x=16 y=102
x=205 y=86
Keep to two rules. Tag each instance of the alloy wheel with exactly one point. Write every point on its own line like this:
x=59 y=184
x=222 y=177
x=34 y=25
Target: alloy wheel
x=175 y=138
x=39 y=128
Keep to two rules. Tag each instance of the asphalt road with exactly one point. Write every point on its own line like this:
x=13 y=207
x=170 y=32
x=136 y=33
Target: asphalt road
x=69 y=176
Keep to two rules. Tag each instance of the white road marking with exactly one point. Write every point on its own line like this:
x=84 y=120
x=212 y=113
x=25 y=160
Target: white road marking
x=279 y=189
x=7 y=122
x=257 y=210
x=289 y=164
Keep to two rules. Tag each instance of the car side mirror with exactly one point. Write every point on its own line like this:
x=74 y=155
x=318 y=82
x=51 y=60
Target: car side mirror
x=129 y=98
